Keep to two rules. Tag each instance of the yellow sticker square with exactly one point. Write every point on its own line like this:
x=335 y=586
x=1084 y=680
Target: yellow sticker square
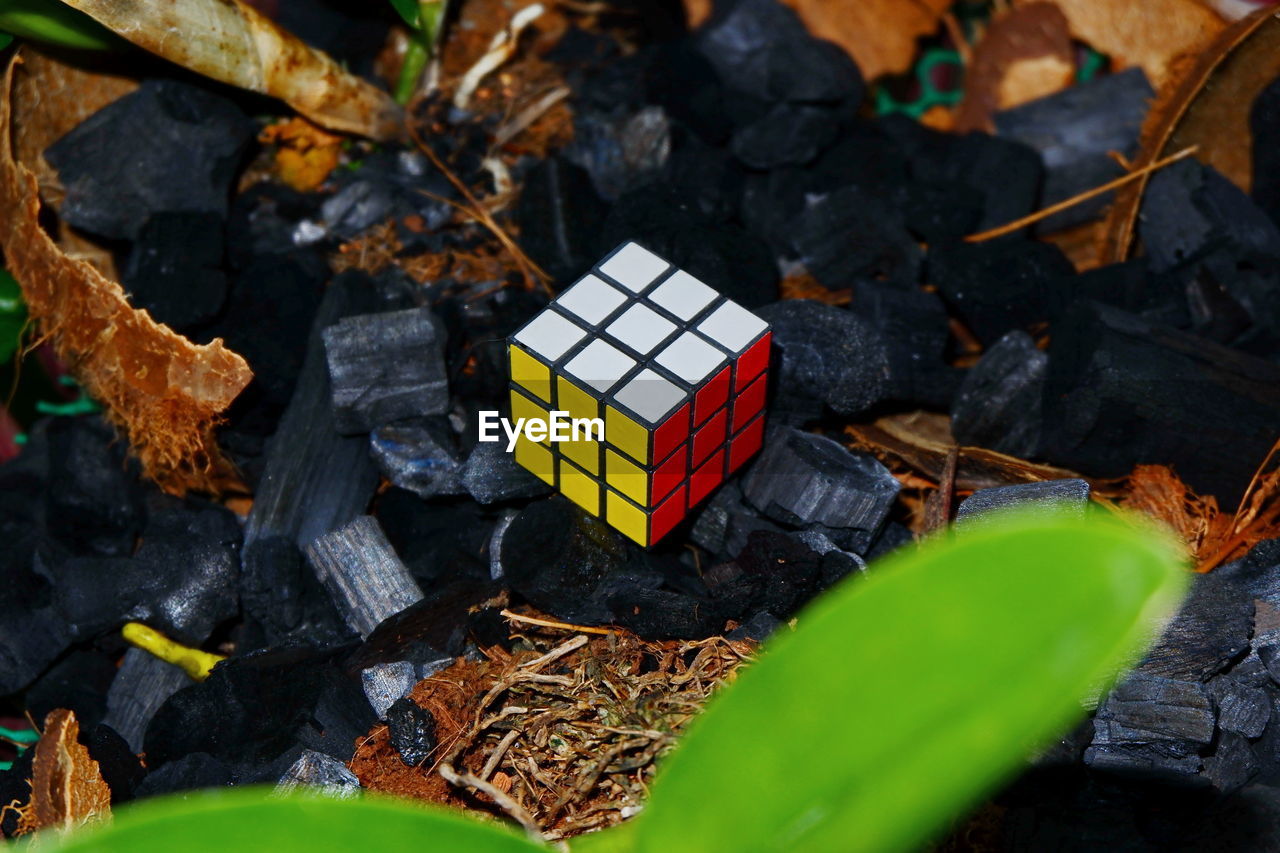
x=572 y=399
x=530 y=374
x=580 y=487
x=536 y=459
x=626 y=517
x=627 y=477
x=523 y=407
x=626 y=435
x=584 y=452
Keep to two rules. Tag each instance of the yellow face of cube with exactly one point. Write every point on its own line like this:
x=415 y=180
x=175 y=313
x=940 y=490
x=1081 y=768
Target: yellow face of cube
x=626 y=477
x=579 y=487
x=572 y=399
x=537 y=459
x=530 y=374
x=626 y=435
x=523 y=407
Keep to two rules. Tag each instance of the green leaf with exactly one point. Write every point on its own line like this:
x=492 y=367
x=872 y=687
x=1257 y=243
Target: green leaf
x=5 y=40
x=408 y=10
x=55 y=23
x=906 y=696
x=253 y=819
x=13 y=316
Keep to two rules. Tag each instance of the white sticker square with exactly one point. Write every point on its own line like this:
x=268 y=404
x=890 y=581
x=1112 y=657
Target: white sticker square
x=550 y=335
x=591 y=299
x=691 y=358
x=732 y=326
x=650 y=396
x=641 y=328
x=600 y=365
x=634 y=267
x=683 y=295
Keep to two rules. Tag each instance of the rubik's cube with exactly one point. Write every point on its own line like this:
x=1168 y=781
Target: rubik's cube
x=675 y=371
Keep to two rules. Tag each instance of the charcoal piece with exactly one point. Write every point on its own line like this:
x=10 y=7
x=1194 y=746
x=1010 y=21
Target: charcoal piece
x=315 y=772
x=660 y=614
x=742 y=525
x=837 y=563
x=850 y=236
x=761 y=47
x=1242 y=709
x=1007 y=175
x=722 y=254
x=712 y=179
x=117 y=761
x=262 y=221
x=1210 y=630
x=939 y=213
x=998 y=404
x=342 y=716
x=757 y=629
x=194 y=772
x=802 y=478
x=829 y=354
x=779 y=572
x=183 y=147
x=315 y=481
x=1189 y=209
x=142 y=684
x=711 y=525
x=356 y=206
x=15 y=787
x=491 y=475
x=1075 y=131
x=174 y=269
x=1152 y=727
x=685 y=84
x=1257 y=572
x=386 y=683
x=999 y=285
x=1264 y=123
x=916 y=330
x=250 y=710
x=620 y=153
x=558 y=212
x=438 y=541
x=495 y=543
x=386 y=367
x=413 y=731
x=553 y=555
x=78 y=682
x=1232 y=763
x=892 y=537
x=788 y=135
x=418 y=455
x=362 y=574
x=437 y=628
x=1121 y=391
x=93 y=501
x=1050 y=498
x=32 y=632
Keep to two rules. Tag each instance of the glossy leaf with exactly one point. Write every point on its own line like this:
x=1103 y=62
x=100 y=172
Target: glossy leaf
x=408 y=10
x=13 y=316
x=904 y=697
x=53 y=22
x=248 y=820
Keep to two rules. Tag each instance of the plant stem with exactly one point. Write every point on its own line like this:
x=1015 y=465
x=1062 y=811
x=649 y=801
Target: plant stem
x=415 y=61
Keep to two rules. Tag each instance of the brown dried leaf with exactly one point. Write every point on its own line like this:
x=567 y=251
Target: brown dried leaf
x=1025 y=54
x=305 y=154
x=67 y=789
x=696 y=12
x=1149 y=33
x=922 y=441
x=1206 y=105
x=880 y=35
x=231 y=41
x=163 y=390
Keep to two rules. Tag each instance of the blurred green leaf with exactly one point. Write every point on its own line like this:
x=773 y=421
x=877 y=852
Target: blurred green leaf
x=408 y=10
x=5 y=40
x=13 y=316
x=904 y=697
x=55 y=23
x=253 y=819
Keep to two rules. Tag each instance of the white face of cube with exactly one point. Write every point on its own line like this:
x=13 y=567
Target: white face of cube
x=683 y=295
x=732 y=326
x=591 y=299
x=691 y=358
x=550 y=335
x=650 y=396
x=641 y=328
x=634 y=267
x=600 y=365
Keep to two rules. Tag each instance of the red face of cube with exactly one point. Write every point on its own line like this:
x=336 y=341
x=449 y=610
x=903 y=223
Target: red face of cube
x=676 y=372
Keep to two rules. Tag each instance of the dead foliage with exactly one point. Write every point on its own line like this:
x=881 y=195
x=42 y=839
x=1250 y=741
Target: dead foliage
x=1150 y=33
x=1025 y=53
x=802 y=285
x=163 y=391
x=1205 y=105
x=304 y=154
x=880 y=35
x=67 y=789
x=1211 y=537
x=560 y=735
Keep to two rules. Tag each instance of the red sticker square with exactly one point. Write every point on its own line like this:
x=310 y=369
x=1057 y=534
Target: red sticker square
x=710 y=437
x=711 y=396
x=745 y=444
x=753 y=362
x=671 y=434
x=670 y=474
x=748 y=404
x=705 y=479
x=667 y=516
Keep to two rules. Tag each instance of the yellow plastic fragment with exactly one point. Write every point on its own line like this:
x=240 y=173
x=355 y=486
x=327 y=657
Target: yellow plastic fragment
x=193 y=662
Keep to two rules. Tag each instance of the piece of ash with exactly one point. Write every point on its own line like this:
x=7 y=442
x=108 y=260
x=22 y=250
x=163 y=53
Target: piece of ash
x=562 y=734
